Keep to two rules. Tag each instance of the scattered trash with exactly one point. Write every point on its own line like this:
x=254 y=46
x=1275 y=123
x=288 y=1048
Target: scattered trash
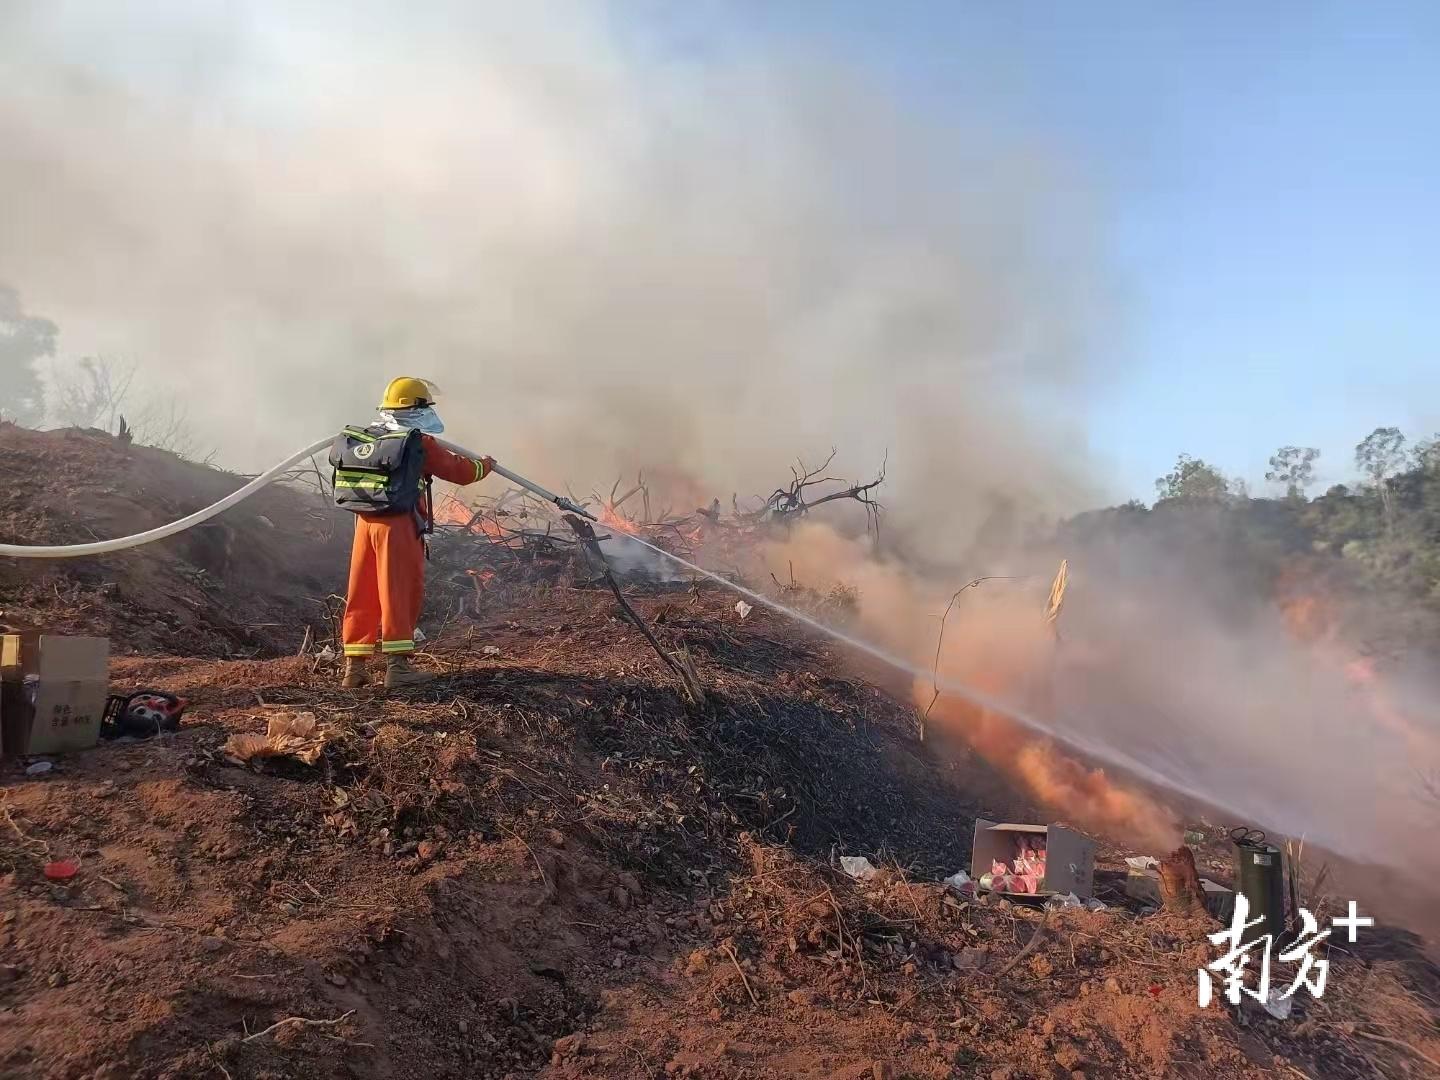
x=1070 y=900
x=419 y=635
x=141 y=714
x=1142 y=883
x=1194 y=836
x=1277 y=1003
x=1032 y=859
x=743 y=609
x=961 y=882
x=858 y=867
x=63 y=870
x=40 y=768
x=1219 y=900
x=55 y=691
x=326 y=654
x=299 y=736
x=491 y=650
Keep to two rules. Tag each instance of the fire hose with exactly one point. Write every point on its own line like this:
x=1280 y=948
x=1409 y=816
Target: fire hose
x=123 y=543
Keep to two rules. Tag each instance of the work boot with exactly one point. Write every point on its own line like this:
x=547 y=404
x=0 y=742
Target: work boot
x=355 y=674
x=398 y=673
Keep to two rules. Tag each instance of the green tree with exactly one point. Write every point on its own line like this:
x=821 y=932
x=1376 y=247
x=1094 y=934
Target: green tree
x=1193 y=481
x=1293 y=466
x=24 y=339
x=1425 y=454
x=1380 y=456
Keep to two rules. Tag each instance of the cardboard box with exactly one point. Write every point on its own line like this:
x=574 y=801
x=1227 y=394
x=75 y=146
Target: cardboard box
x=52 y=692
x=1069 y=857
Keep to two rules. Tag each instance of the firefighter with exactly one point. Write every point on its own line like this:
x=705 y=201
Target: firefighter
x=383 y=473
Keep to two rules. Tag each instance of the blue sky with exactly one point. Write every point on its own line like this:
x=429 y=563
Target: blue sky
x=1269 y=174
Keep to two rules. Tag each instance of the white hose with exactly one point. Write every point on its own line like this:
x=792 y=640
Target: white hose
x=105 y=547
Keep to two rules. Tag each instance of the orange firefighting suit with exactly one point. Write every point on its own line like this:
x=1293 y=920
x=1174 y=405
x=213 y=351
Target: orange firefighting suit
x=387 y=566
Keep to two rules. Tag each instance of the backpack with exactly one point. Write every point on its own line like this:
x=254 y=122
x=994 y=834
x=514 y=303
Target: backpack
x=377 y=471
x=143 y=713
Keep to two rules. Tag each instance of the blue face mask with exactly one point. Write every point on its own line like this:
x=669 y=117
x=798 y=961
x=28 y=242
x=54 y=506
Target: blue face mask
x=426 y=420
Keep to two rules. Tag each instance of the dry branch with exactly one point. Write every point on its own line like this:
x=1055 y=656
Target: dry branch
x=302 y=1022
x=731 y=953
x=940 y=639
x=684 y=670
x=790 y=502
x=1030 y=946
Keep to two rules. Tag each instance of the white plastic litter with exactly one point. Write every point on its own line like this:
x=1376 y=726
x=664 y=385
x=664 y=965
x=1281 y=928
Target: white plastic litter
x=743 y=608
x=326 y=654
x=858 y=867
x=1277 y=1004
x=40 y=768
x=960 y=881
x=419 y=634
x=491 y=650
x=1142 y=862
x=1070 y=900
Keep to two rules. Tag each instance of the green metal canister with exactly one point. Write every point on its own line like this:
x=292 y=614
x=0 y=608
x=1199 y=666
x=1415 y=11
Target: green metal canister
x=1260 y=878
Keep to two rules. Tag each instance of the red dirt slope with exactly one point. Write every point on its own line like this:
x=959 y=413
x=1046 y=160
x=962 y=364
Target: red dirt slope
x=243 y=584
x=545 y=863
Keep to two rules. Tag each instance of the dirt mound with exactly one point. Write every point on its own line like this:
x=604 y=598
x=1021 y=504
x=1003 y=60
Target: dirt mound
x=546 y=863
x=246 y=583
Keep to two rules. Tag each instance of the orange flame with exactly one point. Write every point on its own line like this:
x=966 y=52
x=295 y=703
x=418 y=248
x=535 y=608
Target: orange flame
x=1051 y=776
x=611 y=518
x=1005 y=650
x=1001 y=642
x=453 y=512
x=1314 y=621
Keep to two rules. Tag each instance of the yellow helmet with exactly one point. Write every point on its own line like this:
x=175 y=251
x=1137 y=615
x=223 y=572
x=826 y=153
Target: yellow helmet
x=407 y=392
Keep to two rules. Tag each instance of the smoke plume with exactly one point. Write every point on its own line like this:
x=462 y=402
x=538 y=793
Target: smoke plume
x=616 y=253
x=610 y=257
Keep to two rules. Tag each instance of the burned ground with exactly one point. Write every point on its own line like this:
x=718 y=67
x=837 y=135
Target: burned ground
x=549 y=863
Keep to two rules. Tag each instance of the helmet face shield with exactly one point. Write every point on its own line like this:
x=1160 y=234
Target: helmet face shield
x=424 y=419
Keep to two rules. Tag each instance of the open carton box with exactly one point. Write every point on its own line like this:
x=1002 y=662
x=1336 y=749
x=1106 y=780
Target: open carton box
x=1069 y=857
x=52 y=692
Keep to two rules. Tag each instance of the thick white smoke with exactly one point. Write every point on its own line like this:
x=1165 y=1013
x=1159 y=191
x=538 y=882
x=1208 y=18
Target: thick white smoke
x=610 y=256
